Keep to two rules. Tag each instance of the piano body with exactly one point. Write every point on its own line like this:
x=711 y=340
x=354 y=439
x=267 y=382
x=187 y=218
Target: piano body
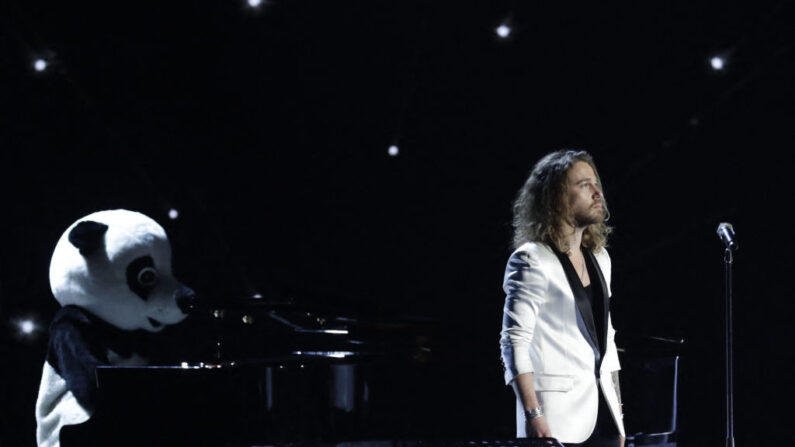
x=256 y=375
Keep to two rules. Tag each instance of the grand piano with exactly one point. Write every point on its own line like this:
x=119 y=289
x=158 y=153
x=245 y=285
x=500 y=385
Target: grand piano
x=255 y=373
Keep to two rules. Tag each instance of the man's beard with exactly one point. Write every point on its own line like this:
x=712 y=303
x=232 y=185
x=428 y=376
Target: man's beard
x=590 y=217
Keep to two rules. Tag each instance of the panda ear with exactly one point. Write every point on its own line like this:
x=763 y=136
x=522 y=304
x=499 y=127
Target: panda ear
x=88 y=236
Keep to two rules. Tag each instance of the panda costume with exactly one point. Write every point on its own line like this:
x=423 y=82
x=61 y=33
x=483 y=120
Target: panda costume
x=111 y=273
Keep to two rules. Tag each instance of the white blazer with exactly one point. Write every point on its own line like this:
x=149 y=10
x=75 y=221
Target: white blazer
x=543 y=332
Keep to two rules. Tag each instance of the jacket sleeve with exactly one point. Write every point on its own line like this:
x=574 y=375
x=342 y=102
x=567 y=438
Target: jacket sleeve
x=525 y=288
x=74 y=356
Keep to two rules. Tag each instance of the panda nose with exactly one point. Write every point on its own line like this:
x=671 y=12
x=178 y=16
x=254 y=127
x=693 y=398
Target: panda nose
x=186 y=299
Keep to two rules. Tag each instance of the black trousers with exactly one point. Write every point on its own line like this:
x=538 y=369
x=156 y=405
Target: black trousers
x=605 y=434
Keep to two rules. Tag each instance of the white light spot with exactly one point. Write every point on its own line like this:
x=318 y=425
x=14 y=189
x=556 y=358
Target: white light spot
x=393 y=150
x=717 y=63
x=27 y=327
x=503 y=31
x=254 y=3
x=40 y=65
x=334 y=354
x=173 y=214
x=257 y=296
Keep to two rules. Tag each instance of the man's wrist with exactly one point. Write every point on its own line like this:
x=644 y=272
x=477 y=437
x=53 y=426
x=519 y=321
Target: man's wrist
x=533 y=413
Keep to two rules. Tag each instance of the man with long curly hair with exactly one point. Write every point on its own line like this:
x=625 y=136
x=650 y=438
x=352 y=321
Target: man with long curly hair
x=557 y=338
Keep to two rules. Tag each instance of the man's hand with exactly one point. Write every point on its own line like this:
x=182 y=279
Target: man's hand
x=538 y=428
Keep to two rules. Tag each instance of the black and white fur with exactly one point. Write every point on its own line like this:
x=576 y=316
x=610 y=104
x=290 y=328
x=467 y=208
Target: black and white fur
x=111 y=272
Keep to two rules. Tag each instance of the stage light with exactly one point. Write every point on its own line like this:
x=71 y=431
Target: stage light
x=503 y=31
x=254 y=3
x=393 y=151
x=40 y=65
x=26 y=327
x=717 y=63
x=173 y=214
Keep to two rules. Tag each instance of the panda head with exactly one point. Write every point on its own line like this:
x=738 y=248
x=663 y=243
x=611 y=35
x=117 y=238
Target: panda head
x=117 y=265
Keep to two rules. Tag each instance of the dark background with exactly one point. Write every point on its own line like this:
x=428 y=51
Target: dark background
x=268 y=130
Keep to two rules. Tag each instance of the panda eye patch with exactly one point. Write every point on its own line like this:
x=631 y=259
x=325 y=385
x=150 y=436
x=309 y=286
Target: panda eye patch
x=142 y=276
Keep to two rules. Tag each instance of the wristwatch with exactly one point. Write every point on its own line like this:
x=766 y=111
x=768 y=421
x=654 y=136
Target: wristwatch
x=534 y=413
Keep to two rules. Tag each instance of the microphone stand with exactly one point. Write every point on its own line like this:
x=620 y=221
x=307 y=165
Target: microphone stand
x=728 y=259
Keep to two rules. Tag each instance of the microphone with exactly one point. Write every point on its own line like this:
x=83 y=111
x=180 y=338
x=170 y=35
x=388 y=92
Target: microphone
x=726 y=234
